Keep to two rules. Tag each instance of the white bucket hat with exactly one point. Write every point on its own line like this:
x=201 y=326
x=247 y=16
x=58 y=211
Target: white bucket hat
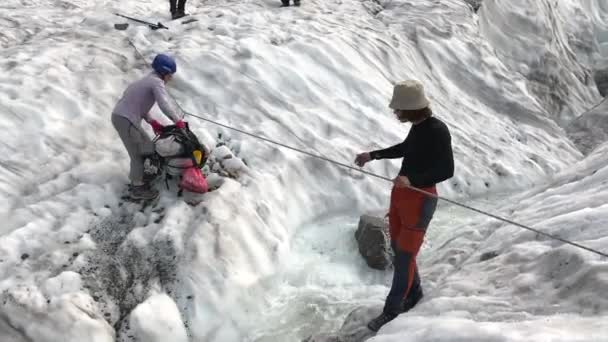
x=409 y=95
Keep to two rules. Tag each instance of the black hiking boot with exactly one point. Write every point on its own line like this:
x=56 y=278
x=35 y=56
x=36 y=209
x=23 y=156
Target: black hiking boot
x=296 y=3
x=376 y=323
x=142 y=192
x=412 y=299
x=285 y=3
x=178 y=15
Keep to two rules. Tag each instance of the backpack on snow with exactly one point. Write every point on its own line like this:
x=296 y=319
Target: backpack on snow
x=183 y=155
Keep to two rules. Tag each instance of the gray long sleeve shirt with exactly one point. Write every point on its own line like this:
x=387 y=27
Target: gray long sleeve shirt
x=140 y=96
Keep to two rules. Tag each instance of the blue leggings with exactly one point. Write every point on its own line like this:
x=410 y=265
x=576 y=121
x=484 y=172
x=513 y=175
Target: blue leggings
x=399 y=290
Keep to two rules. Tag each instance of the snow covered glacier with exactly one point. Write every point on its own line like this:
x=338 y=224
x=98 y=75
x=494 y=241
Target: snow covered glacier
x=270 y=254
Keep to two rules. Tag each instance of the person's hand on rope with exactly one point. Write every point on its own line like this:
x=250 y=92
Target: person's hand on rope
x=401 y=182
x=362 y=159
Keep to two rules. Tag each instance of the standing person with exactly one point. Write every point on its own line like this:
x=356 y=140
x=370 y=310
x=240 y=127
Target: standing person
x=286 y=3
x=132 y=108
x=178 y=8
x=427 y=160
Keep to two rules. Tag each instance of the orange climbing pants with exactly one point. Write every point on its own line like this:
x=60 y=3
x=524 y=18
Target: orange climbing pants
x=409 y=215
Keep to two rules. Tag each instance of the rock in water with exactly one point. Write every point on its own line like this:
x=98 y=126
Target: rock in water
x=354 y=328
x=374 y=242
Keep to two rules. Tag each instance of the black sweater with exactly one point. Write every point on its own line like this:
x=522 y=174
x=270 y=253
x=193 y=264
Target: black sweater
x=426 y=152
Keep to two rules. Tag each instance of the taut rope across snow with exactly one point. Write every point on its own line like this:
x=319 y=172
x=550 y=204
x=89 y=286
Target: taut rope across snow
x=551 y=236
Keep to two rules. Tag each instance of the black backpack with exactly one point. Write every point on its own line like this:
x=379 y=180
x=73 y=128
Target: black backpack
x=192 y=147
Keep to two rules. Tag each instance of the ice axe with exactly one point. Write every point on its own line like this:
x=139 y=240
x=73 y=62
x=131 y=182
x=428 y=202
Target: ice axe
x=153 y=26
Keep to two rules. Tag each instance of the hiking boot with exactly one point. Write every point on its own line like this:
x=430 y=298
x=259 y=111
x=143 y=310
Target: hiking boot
x=296 y=3
x=285 y=3
x=412 y=299
x=142 y=192
x=178 y=15
x=376 y=323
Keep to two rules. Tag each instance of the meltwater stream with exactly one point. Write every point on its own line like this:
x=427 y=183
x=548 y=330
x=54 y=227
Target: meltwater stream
x=324 y=277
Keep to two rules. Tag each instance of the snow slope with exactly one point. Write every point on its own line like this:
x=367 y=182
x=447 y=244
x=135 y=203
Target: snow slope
x=541 y=41
x=75 y=261
x=596 y=10
x=589 y=130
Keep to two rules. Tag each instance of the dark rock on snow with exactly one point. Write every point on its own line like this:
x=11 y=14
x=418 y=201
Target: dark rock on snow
x=374 y=242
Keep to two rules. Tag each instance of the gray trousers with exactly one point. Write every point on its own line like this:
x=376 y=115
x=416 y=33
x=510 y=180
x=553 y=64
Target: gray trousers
x=138 y=145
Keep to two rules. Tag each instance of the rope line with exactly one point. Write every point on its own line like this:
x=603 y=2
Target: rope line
x=411 y=187
x=331 y=161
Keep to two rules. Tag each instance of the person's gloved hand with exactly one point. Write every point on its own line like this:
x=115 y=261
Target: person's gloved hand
x=157 y=127
x=180 y=124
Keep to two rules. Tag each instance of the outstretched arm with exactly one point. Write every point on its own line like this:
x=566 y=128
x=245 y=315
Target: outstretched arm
x=397 y=151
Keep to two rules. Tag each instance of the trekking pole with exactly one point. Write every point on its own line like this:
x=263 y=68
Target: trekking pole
x=153 y=26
